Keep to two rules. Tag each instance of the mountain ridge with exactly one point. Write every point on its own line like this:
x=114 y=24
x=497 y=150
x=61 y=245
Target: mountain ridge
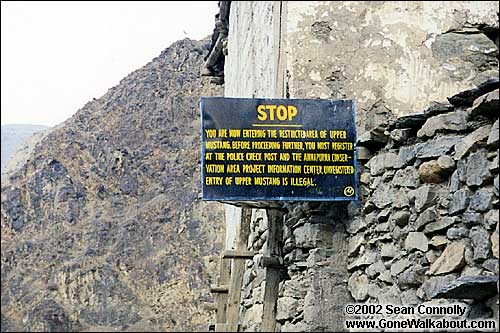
x=103 y=227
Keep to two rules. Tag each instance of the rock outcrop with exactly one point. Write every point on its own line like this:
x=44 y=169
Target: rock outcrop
x=103 y=228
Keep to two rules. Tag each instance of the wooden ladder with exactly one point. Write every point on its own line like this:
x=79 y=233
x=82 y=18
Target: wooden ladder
x=232 y=268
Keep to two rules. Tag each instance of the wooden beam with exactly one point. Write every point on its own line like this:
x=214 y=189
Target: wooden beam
x=255 y=204
x=274 y=227
x=232 y=254
x=234 y=298
x=221 y=299
x=270 y=262
x=214 y=289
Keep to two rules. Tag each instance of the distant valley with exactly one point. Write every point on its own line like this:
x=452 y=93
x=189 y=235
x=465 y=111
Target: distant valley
x=13 y=136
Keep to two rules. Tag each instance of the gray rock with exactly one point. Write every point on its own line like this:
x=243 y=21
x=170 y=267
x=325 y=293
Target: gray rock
x=375 y=269
x=391 y=160
x=381 y=197
x=387 y=176
x=357 y=224
x=409 y=298
x=432 y=286
x=296 y=287
x=399 y=198
x=462 y=170
x=381 y=162
x=358 y=286
x=446 y=162
x=374 y=139
x=491 y=219
x=472 y=139
x=365 y=178
x=399 y=266
x=472 y=218
x=376 y=182
x=383 y=216
x=313 y=235
x=459 y=201
x=481 y=201
x=388 y=251
x=407 y=177
x=391 y=295
x=412 y=277
x=254 y=314
x=286 y=308
x=414 y=120
x=436 y=147
x=481 y=241
x=494 y=164
x=438 y=242
x=457 y=233
x=453 y=121
x=416 y=241
x=289 y=326
x=454 y=182
x=444 y=200
x=386 y=277
x=400 y=134
x=493 y=137
x=406 y=156
x=355 y=244
x=480 y=311
x=367 y=259
x=374 y=290
x=427 y=216
x=382 y=238
x=452 y=259
x=431 y=256
x=400 y=218
x=436 y=108
x=382 y=227
x=431 y=172
x=491 y=265
x=471 y=270
x=486 y=105
x=477 y=169
x=443 y=223
x=467 y=97
x=496 y=185
x=425 y=196
x=469 y=287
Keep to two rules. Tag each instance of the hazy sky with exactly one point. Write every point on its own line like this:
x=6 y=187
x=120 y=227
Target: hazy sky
x=56 y=56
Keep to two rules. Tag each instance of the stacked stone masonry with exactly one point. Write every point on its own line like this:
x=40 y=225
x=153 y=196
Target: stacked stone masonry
x=425 y=230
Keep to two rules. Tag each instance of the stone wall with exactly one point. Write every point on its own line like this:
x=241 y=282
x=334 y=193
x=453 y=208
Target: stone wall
x=425 y=230
x=427 y=222
x=394 y=60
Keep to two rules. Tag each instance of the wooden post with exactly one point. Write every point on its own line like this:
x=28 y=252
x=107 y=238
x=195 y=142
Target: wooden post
x=219 y=289
x=210 y=306
x=231 y=254
x=236 y=281
x=221 y=298
x=273 y=252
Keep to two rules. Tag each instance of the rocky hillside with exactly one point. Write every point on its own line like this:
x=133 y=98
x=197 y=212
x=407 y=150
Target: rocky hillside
x=103 y=228
x=13 y=136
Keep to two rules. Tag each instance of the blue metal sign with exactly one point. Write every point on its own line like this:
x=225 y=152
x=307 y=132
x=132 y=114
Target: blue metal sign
x=278 y=149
